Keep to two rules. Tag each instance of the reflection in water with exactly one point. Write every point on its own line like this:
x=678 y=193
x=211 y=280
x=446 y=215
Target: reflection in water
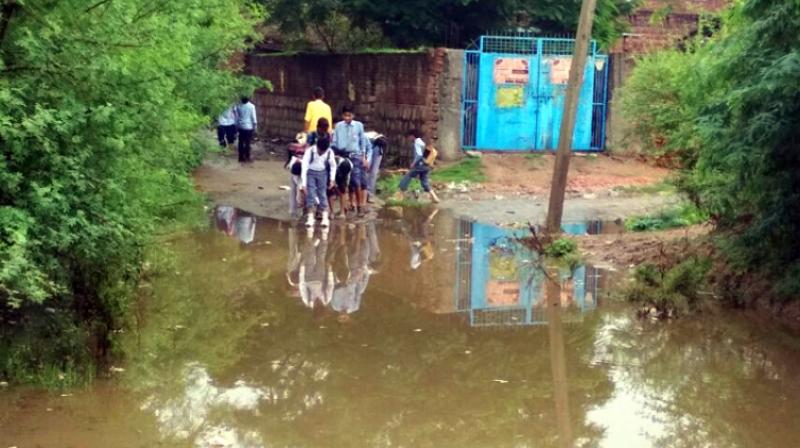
x=227 y=354
x=500 y=282
x=235 y=222
x=558 y=362
x=334 y=266
x=198 y=413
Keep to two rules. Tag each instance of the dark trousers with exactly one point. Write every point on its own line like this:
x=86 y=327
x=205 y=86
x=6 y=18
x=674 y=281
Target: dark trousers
x=226 y=135
x=245 y=137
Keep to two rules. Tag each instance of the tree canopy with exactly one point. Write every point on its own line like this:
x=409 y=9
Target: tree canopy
x=100 y=104
x=728 y=109
x=414 y=23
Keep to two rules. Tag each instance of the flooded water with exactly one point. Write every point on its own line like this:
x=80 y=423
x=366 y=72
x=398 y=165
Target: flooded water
x=414 y=331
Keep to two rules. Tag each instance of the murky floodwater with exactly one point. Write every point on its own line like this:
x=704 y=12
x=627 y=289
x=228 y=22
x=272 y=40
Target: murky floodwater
x=415 y=331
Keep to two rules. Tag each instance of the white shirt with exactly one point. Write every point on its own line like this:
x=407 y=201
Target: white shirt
x=316 y=162
x=246 y=116
x=227 y=118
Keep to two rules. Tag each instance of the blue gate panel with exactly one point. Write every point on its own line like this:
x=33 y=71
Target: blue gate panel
x=500 y=126
x=551 y=108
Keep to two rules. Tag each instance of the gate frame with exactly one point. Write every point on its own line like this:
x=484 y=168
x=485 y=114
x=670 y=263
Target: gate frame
x=536 y=44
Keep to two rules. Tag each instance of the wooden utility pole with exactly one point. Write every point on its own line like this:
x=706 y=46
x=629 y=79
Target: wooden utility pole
x=578 y=66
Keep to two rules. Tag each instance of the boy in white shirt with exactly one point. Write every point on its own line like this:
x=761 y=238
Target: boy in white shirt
x=318 y=171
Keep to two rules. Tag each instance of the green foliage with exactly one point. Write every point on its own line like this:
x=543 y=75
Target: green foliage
x=663 y=188
x=681 y=216
x=748 y=173
x=345 y=25
x=730 y=110
x=564 y=253
x=468 y=169
x=389 y=185
x=662 y=100
x=561 y=247
x=669 y=291
x=100 y=108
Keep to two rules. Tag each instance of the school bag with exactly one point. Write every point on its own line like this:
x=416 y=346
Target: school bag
x=429 y=156
x=297 y=149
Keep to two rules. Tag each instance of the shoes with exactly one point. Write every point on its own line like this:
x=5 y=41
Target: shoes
x=325 y=221
x=310 y=220
x=341 y=215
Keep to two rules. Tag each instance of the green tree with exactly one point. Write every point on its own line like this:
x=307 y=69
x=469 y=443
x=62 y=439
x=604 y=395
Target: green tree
x=729 y=108
x=414 y=23
x=100 y=107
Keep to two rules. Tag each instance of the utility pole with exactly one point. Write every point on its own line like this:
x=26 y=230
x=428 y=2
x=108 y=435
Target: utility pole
x=559 y=185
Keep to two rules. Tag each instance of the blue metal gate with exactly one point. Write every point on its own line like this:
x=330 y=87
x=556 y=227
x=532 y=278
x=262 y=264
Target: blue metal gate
x=513 y=95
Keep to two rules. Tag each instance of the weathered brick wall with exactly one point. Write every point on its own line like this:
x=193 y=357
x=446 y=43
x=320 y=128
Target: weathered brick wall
x=390 y=92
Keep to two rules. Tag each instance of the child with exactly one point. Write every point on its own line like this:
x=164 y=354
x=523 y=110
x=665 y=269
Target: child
x=419 y=167
x=323 y=130
x=377 y=148
x=344 y=167
x=317 y=176
x=246 y=123
x=226 y=128
x=348 y=137
x=295 y=166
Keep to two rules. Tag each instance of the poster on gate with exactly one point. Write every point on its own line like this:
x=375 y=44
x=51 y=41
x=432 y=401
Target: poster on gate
x=511 y=71
x=559 y=69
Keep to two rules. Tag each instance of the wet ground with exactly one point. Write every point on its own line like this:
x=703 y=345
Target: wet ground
x=418 y=330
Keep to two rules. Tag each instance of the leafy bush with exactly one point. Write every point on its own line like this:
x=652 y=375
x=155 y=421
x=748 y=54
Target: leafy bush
x=662 y=101
x=100 y=107
x=669 y=292
x=560 y=248
x=729 y=111
x=681 y=216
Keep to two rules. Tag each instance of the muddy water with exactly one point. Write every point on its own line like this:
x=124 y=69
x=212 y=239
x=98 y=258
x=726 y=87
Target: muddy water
x=415 y=331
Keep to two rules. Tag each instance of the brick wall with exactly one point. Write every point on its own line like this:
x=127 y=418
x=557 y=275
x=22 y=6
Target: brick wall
x=390 y=92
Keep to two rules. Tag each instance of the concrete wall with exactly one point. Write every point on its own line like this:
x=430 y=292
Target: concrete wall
x=391 y=93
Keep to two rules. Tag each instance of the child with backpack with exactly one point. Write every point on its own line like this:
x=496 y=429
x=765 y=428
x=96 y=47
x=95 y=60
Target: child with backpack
x=317 y=175
x=344 y=167
x=424 y=158
x=294 y=164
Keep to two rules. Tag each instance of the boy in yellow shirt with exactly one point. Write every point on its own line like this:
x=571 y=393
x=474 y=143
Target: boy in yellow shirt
x=317 y=109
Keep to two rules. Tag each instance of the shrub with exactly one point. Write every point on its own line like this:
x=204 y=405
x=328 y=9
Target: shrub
x=681 y=216
x=669 y=291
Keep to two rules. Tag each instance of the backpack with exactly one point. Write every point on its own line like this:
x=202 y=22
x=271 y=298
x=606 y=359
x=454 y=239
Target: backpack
x=429 y=156
x=297 y=169
x=295 y=150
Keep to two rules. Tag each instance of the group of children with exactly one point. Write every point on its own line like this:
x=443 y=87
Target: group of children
x=325 y=165
x=238 y=120
x=329 y=162
x=333 y=273
x=345 y=163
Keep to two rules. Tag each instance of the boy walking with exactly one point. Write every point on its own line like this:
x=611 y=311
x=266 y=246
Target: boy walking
x=319 y=168
x=419 y=167
x=226 y=128
x=317 y=109
x=348 y=137
x=246 y=122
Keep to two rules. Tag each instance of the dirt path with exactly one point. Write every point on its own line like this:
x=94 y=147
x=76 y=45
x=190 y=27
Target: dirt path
x=515 y=192
x=592 y=173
